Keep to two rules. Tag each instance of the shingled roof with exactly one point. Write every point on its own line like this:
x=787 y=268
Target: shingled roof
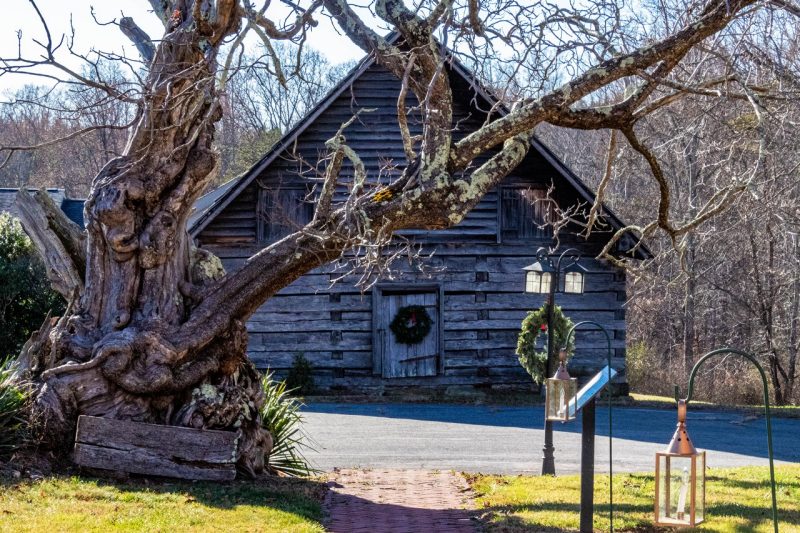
x=72 y=207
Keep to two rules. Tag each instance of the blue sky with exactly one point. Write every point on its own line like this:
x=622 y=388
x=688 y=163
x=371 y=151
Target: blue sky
x=20 y=15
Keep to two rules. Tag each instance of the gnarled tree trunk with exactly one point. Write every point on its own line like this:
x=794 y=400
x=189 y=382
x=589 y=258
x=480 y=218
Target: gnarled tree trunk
x=112 y=354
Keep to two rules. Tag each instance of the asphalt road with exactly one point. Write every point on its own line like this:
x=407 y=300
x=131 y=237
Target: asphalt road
x=509 y=439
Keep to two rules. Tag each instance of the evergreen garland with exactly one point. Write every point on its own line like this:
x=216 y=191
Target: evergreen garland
x=411 y=324
x=533 y=361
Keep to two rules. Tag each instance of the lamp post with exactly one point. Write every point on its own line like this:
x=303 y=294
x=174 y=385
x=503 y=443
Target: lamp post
x=544 y=277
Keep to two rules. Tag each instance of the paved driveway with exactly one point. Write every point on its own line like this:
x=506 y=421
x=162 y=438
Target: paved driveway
x=509 y=439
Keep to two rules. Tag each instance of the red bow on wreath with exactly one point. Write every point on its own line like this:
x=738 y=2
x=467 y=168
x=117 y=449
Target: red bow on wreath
x=411 y=324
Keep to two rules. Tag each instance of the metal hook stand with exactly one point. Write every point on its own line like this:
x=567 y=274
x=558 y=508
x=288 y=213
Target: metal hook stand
x=752 y=359
x=587 y=478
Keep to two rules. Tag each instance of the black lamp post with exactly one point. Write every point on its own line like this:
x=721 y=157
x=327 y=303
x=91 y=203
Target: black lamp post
x=544 y=277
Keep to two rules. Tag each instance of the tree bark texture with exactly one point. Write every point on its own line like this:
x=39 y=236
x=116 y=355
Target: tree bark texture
x=139 y=276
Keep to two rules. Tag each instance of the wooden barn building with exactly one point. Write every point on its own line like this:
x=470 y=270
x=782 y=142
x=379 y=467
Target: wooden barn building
x=473 y=289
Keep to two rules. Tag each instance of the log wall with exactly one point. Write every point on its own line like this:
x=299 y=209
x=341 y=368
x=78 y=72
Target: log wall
x=482 y=308
x=479 y=276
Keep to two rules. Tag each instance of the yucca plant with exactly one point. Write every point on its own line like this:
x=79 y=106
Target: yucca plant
x=13 y=407
x=281 y=417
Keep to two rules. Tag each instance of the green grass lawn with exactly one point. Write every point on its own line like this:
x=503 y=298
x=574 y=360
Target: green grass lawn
x=84 y=504
x=739 y=501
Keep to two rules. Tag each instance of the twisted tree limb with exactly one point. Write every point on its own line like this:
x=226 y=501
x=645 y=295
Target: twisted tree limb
x=61 y=243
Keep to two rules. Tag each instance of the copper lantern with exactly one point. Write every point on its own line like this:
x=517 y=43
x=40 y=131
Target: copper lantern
x=561 y=390
x=680 y=479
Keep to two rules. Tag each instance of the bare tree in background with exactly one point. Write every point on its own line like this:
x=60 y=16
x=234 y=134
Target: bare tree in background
x=155 y=326
x=260 y=105
x=731 y=281
x=258 y=108
x=93 y=125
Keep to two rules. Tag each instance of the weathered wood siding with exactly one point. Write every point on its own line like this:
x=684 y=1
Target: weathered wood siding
x=483 y=306
x=155 y=449
x=478 y=273
x=237 y=224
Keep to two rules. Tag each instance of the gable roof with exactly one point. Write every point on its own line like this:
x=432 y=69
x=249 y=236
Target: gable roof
x=207 y=200
x=72 y=207
x=213 y=203
x=237 y=185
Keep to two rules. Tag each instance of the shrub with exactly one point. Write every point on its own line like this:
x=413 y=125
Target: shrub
x=731 y=380
x=300 y=379
x=281 y=417
x=25 y=293
x=13 y=411
x=638 y=359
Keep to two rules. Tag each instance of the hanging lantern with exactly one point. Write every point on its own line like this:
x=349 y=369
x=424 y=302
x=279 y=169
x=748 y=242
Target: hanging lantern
x=537 y=279
x=680 y=479
x=573 y=280
x=561 y=390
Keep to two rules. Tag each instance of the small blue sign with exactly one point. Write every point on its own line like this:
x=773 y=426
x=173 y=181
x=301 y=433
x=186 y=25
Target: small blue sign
x=591 y=389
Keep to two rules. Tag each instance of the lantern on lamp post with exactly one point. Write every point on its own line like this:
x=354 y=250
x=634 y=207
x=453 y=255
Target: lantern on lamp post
x=537 y=281
x=573 y=279
x=680 y=479
x=561 y=389
x=681 y=470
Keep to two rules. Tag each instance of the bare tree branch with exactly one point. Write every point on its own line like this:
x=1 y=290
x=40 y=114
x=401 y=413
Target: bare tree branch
x=716 y=15
x=140 y=39
x=60 y=242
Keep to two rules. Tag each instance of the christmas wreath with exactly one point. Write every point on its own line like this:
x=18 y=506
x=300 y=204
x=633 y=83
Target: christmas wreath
x=530 y=357
x=411 y=324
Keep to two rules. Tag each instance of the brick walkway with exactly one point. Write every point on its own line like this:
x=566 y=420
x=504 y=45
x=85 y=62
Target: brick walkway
x=398 y=501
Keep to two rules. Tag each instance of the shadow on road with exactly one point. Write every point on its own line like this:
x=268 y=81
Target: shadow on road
x=720 y=431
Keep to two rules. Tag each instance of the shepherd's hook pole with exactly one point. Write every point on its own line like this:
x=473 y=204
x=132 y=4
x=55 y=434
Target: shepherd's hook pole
x=752 y=359
x=570 y=333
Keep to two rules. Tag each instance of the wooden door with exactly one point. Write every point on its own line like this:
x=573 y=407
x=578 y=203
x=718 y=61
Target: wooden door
x=406 y=360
